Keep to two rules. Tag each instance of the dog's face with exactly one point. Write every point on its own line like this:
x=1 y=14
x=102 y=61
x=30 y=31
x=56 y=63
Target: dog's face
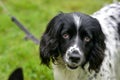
x=75 y=37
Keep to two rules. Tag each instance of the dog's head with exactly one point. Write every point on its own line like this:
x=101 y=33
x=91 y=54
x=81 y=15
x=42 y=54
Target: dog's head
x=76 y=38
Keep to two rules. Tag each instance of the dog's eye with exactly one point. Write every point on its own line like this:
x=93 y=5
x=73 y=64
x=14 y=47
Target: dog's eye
x=86 y=39
x=66 y=36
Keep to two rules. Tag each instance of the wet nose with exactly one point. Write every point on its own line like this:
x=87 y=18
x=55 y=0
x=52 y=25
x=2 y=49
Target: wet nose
x=74 y=57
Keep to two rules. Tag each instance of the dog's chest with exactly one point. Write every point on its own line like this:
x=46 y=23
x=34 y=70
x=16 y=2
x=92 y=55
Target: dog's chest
x=62 y=73
x=65 y=75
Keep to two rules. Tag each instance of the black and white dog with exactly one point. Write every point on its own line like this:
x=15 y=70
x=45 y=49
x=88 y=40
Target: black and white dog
x=83 y=47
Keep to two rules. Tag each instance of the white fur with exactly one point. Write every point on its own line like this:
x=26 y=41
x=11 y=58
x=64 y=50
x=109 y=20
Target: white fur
x=77 y=20
x=61 y=73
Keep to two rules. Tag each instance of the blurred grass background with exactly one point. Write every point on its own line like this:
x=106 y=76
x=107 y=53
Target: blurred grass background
x=34 y=14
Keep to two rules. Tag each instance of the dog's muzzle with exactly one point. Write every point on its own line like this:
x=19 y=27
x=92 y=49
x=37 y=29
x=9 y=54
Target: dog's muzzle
x=73 y=58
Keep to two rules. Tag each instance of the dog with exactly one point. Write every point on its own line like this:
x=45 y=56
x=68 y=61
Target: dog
x=83 y=47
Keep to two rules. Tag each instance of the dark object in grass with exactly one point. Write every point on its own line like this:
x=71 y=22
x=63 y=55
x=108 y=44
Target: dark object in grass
x=17 y=74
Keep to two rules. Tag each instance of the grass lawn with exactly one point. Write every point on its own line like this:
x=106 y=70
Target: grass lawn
x=34 y=14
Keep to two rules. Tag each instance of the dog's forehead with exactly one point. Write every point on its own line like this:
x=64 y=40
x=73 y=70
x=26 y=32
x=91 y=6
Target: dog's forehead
x=76 y=20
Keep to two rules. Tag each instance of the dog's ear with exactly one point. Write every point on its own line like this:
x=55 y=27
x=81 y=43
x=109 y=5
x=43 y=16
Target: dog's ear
x=97 y=54
x=50 y=40
x=17 y=74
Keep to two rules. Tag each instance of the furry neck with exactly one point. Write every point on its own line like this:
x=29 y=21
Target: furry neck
x=61 y=72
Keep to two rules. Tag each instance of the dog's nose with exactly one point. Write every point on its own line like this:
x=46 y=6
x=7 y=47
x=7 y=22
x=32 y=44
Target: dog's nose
x=74 y=57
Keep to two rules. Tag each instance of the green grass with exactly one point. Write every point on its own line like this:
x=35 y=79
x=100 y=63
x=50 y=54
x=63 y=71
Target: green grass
x=34 y=14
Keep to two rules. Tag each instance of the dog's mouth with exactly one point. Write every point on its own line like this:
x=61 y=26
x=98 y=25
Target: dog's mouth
x=72 y=67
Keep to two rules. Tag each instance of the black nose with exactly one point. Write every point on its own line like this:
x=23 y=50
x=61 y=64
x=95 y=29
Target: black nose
x=74 y=57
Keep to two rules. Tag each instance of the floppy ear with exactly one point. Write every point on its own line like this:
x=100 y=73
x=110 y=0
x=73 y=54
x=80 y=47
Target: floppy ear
x=97 y=55
x=16 y=74
x=49 y=41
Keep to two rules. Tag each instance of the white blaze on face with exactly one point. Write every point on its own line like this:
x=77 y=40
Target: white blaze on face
x=77 y=20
